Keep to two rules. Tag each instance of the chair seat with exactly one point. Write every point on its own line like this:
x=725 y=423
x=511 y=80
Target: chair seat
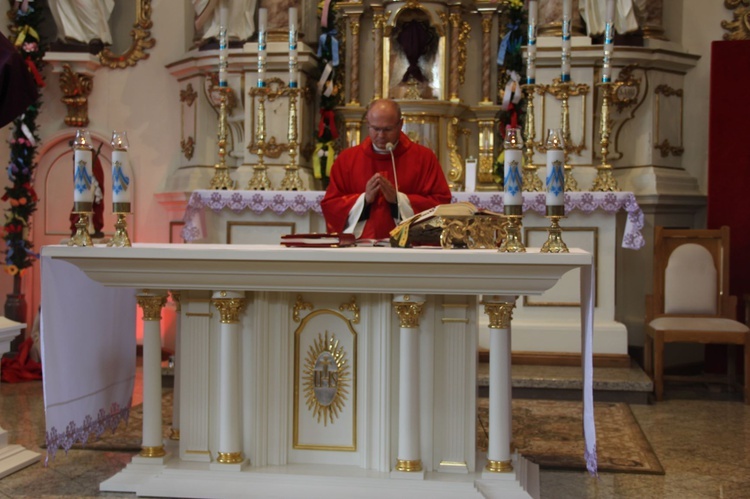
x=703 y=324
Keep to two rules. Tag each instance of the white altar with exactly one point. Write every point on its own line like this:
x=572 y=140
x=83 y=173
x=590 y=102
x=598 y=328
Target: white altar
x=257 y=329
x=545 y=327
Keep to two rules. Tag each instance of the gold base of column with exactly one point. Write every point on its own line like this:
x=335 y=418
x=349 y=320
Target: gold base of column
x=404 y=465
x=292 y=181
x=259 y=181
x=499 y=466
x=554 y=242
x=81 y=237
x=120 y=239
x=221 y=180
x=174 y=433
x=512 y=242
x=229 y=457
x=153 y=451
x=604 y=181
x=531 y=181
x=571 y=185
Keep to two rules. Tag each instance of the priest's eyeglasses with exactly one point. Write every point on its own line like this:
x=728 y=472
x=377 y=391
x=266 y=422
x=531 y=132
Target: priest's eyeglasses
x=376 y=129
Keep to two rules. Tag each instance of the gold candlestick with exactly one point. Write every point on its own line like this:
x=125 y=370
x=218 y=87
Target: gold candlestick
x=604 y=181
x=554 y=242
x=570 y=182
x=259 y=181
x=221 y=179
x=82 y=237
x=531 y=180
x=120 y=239
x=292 y=180
x=512 y=242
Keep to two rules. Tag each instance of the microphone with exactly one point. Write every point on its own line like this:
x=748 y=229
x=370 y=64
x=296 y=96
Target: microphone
x=390 y=147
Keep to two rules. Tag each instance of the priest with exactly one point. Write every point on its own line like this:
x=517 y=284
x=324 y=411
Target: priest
x=384 y=180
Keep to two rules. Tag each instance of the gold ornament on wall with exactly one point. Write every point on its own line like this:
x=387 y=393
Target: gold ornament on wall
x=141 y=40
x=739 y=26
x=326 y=378
x=76 y=88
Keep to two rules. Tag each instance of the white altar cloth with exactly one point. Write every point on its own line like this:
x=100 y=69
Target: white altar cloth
x=275 y=268
x=88 y=355
x=301 y=202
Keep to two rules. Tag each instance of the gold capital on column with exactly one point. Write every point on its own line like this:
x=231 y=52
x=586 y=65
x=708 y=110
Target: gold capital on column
x=500 y=314
x=229 y=308
x=151 y=306
x=408 y=313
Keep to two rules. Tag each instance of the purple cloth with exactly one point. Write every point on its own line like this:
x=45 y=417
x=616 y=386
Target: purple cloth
x=17 y=86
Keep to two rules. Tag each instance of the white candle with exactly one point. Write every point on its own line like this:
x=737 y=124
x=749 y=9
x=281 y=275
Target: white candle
x=512 y=179
x=121 y=170
x=293 y=47
x=555 y=168
x=566 y=33
x=223 y=43
x=609 y=42
x=531 y=47
x=83 y=159
x=262 y=21
x=470 y=182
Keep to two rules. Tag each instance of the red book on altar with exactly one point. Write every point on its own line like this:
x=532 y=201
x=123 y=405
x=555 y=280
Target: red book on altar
x=316 y=240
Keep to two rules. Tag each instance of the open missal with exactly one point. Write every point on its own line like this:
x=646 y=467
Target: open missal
x=318 y=240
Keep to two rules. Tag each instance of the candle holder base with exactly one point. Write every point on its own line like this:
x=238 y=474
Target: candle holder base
x=512 y=242
x=554 y=242
x=604 y=181
x=120 y=239
x=81 y=237
x=571 y=185
x=259 y=181
x=221 y=180
x=292 y=181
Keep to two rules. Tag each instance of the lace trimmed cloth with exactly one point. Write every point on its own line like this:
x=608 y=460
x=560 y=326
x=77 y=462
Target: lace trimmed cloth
x=303 y=202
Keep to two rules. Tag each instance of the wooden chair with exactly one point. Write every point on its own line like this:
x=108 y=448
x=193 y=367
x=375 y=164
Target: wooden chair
x=690 y=301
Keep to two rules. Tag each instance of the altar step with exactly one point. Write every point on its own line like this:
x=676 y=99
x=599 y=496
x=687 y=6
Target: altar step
x=611 y=384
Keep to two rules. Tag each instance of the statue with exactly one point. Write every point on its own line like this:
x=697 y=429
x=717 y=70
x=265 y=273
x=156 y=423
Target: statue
x=82 y=23
x=240 y=20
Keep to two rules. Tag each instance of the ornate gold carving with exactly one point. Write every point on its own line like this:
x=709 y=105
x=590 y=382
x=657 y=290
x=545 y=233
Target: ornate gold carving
x=463 y=38
x=485 y=169
x=174 y=433
x=229 y=457
x=478 y=232
x=457 y=167
x=627 y=88
x=141 y=34
x=486 y=22
x=563 y=92
x=664 y=146
x=355 y=28
x=272 y=148
x=300 y=305
x=500 y=314
x=216 y=94
x=352 y=307
x=499 y=466
x=275 y=88
x=409 y=465
x=188 y=95
x=188 y=147
x=76 y=88
x=739 y=26
x=444 y=19
x=408 y=313
x=413 y=4
x=327 y=378
x=229 y=308
x=151 y=306
x=157 y=451
x=379 y=21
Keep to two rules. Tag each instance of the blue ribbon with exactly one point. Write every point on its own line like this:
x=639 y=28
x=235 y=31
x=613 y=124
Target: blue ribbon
x=334 y=46
x=505 y=43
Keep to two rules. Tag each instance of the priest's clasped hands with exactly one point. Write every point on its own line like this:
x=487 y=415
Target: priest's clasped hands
x=378 y=183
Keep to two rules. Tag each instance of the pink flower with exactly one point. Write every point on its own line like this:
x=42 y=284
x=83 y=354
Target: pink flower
x=29 y=47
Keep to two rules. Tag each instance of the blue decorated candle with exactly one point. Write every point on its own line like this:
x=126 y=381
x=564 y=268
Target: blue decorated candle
x=531 y=47
x=555 y=168
x=223 y=43
x=262 y=23
x=83 y=178
x=609 y=42
x=121 y=171
x=566 y=34
x=512 y=178
x=293 y=47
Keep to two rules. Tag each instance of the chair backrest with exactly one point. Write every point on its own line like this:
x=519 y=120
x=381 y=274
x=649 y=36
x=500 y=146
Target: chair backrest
x=691 y=271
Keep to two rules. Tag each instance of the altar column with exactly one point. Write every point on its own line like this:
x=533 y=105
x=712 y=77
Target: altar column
x=499 y=309
x=229 y=304
x=151 y=302
x=174 y=432
x=408 y=308
x=455 y=21
x=379 y=21
x=353 y=14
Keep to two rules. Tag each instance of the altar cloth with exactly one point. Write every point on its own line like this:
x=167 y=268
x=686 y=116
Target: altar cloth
x=302 y=202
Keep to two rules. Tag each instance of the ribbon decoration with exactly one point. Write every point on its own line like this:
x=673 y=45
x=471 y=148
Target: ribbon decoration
x=512 y=92
x=327 y=117
x=334 y=46
x=323 y=155
x=324 y=14
x=35 y=72
x=26 y=30
x=29 y=136
x=511 y=41
x=324 y=77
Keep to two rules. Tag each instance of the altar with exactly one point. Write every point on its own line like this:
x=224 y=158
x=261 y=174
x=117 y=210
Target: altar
x=346 y=372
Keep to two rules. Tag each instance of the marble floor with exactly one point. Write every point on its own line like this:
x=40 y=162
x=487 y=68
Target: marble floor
x=700 y=434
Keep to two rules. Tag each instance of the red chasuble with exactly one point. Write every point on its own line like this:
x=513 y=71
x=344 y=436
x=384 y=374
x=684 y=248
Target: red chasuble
x=420 y=177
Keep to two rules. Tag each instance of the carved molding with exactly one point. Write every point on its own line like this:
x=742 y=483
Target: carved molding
x=298 y=306
x=188 y=95
x=739 y=27
x=352 y=307
x=141 y=35
x=665 y=147
x=188 y=147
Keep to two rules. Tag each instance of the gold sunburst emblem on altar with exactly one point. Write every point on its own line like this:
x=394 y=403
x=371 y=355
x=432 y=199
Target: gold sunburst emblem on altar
x=326 y=378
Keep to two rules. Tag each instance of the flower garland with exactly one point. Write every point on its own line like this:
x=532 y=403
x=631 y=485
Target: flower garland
x=19 y=254
x=328 y=89
x=510 y=75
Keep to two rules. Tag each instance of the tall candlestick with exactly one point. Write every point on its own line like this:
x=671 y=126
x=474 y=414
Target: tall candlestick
x=83 y=170
x=531 y=47
x=566 y=30
x=293 y=47
x=262 y=21
x=609 y=42
x=512 y=180
x=121 y=170
x=555 y=168
x=223 y=43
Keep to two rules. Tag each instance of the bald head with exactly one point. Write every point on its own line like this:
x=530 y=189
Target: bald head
x=384 y=122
